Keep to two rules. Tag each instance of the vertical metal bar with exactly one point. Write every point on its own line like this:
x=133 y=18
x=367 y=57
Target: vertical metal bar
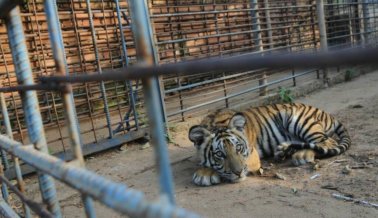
x=8 y=129
x=4 y=165
x=129 y=85
x=225 y=90
x=102 y=84
x=68 y=100
x=180 y=98
x=256 y=28
x=365 y=19
x=13 y=98
x=30 y=104
x=312 y=9
x=257 y=39
x=145 y=55
x=323 y=35
x=268 y=23
x=155 y=56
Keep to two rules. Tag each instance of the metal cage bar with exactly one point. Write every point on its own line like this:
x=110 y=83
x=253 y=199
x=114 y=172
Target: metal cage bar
x=30 y=104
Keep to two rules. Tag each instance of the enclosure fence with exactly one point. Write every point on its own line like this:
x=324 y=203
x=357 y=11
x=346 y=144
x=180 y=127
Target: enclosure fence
x=160 y=47
x=97 y=37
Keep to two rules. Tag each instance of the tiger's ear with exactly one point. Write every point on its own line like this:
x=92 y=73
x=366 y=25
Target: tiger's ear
x=238 y=121
x=197 y=134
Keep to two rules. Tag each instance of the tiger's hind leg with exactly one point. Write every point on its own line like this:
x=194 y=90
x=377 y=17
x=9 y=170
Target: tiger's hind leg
x=314 y=138
x=302 y=157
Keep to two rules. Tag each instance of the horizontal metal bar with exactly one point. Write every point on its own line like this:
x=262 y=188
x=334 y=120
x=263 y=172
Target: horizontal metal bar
x=39 y=209
x=114 y=195
x=226 y=11
x=342 y=4
x=46 y=87
x=207 y=82
x=231 y=64
x=7 y=5
x=88 y=149
x=240 y=93
x=225 y=34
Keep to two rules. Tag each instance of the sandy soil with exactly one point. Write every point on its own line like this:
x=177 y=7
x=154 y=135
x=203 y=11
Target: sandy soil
x=301 y=194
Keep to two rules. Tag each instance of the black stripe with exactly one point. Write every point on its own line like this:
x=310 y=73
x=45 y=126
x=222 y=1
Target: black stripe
x=262 y=128
x=305 y=123
x=338 y=128
x=297 y=121
x=310 y=137
x=308 y=129
x=270 y=133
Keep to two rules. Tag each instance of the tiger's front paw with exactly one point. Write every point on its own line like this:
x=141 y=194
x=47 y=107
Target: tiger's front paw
x=206 y=177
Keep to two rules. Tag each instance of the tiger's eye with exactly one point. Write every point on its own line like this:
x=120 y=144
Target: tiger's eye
x=219 y=153
x=238 y=147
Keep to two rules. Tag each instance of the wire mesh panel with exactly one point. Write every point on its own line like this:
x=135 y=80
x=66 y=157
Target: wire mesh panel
x=187 y=30
x=351 y=23
x=81 y=58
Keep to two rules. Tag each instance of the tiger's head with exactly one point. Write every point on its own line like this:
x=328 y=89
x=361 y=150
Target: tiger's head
x=224 y=148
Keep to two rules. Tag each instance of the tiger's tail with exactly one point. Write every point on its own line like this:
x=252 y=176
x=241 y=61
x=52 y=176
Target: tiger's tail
x=344 y=139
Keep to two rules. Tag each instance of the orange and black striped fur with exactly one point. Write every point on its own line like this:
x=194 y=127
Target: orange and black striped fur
x=230 y=143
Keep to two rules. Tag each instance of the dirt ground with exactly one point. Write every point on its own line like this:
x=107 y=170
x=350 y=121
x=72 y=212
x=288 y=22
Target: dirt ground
x=305 y=192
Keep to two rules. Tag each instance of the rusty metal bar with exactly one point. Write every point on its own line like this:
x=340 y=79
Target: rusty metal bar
x=68 y=100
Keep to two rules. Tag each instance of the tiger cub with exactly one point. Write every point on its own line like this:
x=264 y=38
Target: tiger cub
x=230 y=143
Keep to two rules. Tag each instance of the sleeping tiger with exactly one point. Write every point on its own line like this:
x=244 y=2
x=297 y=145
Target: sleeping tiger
x=230 y=143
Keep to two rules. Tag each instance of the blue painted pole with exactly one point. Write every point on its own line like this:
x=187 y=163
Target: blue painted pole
x=30 y=104
x=145 y=54
x=68 y=100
